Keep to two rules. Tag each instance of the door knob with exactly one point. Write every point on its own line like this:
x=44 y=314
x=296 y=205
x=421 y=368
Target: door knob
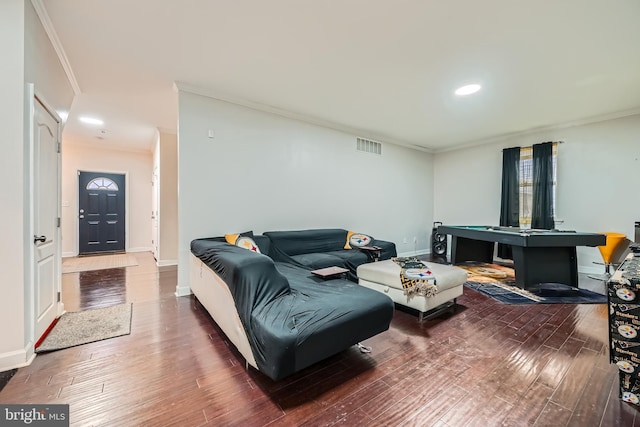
x=37 y=239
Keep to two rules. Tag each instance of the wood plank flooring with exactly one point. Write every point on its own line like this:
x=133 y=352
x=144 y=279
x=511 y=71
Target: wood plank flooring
x=487 y=364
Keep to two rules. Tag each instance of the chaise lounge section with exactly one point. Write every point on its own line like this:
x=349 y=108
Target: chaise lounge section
x=278 y=315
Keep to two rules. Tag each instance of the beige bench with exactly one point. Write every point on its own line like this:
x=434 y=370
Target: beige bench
x=384 y=276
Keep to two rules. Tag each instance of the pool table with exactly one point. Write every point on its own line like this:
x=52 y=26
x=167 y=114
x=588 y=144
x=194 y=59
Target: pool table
x=539 y=256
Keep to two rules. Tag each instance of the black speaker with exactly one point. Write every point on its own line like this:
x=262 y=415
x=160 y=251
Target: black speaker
x=438 y=241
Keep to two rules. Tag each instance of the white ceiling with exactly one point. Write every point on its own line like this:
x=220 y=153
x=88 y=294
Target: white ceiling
x=381 y=69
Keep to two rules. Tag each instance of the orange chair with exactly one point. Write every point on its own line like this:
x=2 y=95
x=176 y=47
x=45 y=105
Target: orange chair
x=609 y=252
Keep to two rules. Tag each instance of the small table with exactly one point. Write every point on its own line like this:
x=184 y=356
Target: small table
x=373 y=252
x=329 y=272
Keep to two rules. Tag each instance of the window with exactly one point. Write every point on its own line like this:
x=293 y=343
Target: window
x=102 y=183
x=525 y=181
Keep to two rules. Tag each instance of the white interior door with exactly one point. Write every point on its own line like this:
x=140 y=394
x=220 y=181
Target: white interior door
x=45 y=227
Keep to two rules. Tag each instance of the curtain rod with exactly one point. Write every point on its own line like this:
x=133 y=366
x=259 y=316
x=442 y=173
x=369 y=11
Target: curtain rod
x=556 y=142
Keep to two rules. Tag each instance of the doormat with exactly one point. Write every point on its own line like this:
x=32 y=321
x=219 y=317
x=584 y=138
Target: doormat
x=98 y=262
x=82 y=327
x=498 y=282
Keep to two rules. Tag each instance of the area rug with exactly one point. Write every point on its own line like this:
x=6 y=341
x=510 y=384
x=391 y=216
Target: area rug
x=498 y=282
x=5 y=376
x=99 y=262
x=82 y=327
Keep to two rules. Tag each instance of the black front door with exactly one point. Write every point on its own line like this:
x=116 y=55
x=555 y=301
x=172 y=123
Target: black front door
x=101 y=215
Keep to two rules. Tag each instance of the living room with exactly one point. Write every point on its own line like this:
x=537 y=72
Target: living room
x=363 y=191
x=244 y=165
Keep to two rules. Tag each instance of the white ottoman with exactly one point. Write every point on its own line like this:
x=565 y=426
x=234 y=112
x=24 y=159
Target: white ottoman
x=384 y=276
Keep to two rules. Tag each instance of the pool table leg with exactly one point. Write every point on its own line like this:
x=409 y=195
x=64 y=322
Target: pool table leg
x=535 y=265
x=463 y=249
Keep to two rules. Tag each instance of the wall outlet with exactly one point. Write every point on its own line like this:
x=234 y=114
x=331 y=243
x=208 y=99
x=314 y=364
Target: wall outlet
x=404 y=240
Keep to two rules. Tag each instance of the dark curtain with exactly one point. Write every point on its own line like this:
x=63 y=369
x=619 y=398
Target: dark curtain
x=542 y=205
x=510 y=201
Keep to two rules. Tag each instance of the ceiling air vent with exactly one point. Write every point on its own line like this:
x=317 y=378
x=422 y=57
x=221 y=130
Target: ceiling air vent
x=368 y=146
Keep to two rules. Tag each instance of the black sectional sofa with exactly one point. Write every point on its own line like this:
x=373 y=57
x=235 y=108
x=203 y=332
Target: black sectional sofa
x=278 y=315
x=321 y=248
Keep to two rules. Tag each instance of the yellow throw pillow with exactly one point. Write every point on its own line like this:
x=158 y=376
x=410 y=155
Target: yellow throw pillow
x=349 y=234
x=231 y=238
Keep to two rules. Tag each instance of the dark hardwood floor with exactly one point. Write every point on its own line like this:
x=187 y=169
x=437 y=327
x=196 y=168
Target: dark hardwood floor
x=487 y=364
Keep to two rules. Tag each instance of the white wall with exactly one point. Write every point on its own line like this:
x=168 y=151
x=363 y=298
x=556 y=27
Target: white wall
x=27 y=57
x=266 y=172
x=42 y=65
x=12 y=273
x=597 y=189
x=138 y=167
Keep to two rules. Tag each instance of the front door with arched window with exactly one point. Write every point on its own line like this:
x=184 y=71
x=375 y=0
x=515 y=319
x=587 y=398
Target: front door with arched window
x=101 y=199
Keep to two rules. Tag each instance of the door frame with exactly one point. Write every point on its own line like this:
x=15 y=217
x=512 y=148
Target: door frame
x=34 y=97
x=77 y=205
x=155 y=212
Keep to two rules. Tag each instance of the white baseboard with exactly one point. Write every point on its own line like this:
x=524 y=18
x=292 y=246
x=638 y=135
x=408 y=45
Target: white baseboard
x=183 y=291
x=17 y=359
x=141 y=249
x=414 y=253
x=166 y=262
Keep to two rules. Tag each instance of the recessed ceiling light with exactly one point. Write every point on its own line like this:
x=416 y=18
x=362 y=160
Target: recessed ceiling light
x=91 y=120
x=468 y=89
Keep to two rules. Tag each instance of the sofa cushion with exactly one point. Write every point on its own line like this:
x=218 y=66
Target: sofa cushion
x=307 y=241
x=263 y=242
x=355 y=257
x=319 y=260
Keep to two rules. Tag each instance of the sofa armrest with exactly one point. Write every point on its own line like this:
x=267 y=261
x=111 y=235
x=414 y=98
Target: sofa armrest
x=387 y=249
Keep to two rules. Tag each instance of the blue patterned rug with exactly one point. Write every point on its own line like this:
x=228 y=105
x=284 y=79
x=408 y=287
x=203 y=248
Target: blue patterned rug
x=508 y=294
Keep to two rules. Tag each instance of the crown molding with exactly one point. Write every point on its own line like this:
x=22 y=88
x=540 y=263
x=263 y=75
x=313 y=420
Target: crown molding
x=181 y=86
x=209 y=93
x=41 y=11
x=565 y=125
